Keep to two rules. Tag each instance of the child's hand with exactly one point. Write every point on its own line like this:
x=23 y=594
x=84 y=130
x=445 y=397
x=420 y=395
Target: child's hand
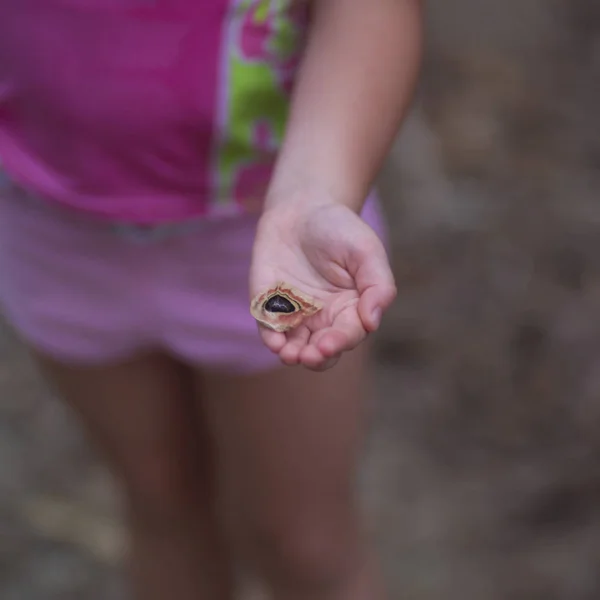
x=330 y=253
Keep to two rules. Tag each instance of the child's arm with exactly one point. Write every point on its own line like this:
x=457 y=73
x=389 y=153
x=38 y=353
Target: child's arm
x=352 y=93
x=354 y=88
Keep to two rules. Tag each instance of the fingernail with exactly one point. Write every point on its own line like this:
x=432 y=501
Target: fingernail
x=376 y=316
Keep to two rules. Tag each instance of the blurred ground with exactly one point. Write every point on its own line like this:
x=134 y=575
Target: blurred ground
x=482 y=475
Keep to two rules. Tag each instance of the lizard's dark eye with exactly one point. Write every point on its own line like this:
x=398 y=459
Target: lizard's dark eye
x=279 y=304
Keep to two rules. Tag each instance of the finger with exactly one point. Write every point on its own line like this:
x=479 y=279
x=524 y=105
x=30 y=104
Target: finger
x=296 y=340
x=373 y=303
x=375 y=284
x=345 y=334
x=328 y=364
x=273 y=340
x=311 y=358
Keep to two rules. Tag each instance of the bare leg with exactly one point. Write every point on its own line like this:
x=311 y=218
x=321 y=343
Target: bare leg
x=287 y=444
x=141 y=415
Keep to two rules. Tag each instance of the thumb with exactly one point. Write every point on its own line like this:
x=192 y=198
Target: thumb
x=375 y=283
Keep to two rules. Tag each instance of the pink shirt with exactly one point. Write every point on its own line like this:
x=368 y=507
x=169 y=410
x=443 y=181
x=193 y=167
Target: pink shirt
x=146 y=110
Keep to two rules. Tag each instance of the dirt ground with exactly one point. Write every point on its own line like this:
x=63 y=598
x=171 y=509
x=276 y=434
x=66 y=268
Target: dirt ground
x=482 y=472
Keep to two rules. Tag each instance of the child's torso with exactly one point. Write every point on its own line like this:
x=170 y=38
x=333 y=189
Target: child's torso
x=146 y=110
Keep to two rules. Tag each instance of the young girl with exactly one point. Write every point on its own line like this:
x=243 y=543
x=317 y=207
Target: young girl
x=148 y=179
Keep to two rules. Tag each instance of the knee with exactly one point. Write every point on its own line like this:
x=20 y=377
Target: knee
x=300 y=553
x=161 y=492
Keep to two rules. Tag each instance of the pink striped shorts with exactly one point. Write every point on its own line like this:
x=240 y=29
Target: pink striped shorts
x=87 y=292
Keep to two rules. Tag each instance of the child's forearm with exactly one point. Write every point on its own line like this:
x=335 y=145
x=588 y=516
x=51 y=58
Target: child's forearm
x=353 y=90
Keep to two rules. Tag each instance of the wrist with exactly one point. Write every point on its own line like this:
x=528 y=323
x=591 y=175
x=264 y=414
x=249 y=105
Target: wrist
x=292 y=210
x=300 y=197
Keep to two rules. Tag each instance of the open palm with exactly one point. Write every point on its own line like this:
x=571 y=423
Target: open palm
x=331 y=254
